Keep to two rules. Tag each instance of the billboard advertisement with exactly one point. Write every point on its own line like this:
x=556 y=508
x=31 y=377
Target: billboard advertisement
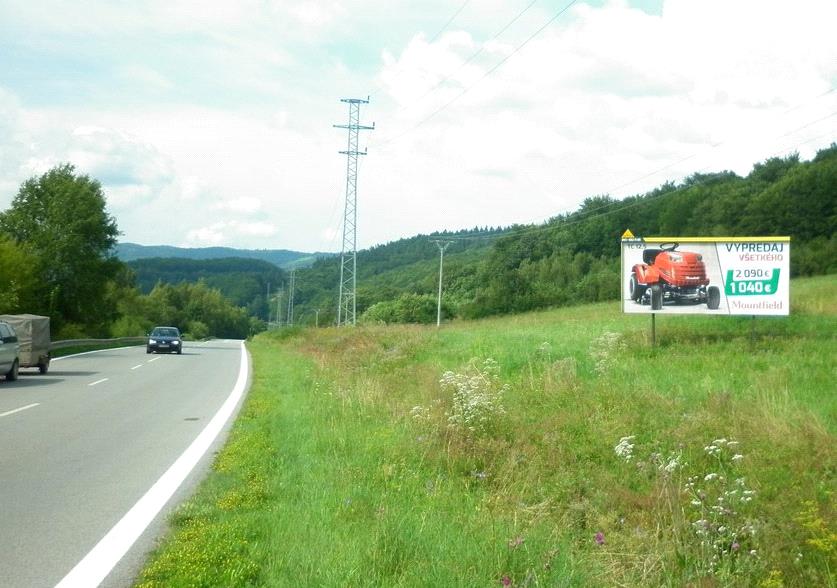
x=706 y=275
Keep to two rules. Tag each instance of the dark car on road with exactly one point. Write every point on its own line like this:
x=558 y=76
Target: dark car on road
x=165 y=339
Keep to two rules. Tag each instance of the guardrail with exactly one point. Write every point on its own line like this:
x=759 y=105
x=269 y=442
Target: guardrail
x=82 y=342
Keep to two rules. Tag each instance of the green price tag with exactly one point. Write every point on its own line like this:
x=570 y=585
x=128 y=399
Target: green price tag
x=752 y=282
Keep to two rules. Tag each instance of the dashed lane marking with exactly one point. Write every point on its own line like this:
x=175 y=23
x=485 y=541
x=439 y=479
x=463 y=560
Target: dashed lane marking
x=9 y=412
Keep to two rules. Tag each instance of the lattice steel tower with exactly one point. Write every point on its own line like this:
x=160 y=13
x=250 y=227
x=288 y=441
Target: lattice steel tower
x=347 y=304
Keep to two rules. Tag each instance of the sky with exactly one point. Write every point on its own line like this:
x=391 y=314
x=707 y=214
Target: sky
x=210 y=123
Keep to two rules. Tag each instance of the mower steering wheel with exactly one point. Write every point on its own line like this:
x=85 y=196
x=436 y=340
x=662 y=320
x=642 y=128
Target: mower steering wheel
x=670 y=246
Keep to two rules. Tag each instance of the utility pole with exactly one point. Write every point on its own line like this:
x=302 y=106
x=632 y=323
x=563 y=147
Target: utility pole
x=268 y=304
x=279 y=305
x=442 y=245
x=290 y=314
x=317 y=318
x=347 y=303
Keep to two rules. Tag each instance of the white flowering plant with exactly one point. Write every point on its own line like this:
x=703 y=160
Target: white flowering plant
x=715 y=501
x=604 y=350
x=719 y=510
x=476 y=397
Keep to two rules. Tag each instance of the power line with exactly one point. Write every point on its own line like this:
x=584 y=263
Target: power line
x=475 y=54
x=450 y=20
x=488 y=73
x=617 y=206
x=715 y=146
x=638 y=202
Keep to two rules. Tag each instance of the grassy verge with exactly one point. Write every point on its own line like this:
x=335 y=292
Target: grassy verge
x=576 y=456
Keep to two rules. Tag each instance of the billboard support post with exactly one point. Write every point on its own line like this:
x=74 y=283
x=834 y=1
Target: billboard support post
x=653 y=329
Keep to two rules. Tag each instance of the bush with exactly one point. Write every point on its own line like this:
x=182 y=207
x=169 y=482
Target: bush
x=197 y=330
x=407 y=308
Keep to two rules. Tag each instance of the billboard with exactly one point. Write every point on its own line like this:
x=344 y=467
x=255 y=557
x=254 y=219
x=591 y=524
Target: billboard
x=706 y=275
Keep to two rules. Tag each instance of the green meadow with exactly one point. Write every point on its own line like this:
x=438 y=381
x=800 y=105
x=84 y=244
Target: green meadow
x=556 y=448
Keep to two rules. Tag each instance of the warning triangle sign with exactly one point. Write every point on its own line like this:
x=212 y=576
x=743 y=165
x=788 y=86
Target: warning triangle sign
x=628 y=234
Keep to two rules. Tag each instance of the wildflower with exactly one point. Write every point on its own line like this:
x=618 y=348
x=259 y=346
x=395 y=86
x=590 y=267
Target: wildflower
x=505 y=581
x=477 y=396
x=737 y=457
x=600 y=538
x=625 y=448
x=735 y=546
x=516 y=542
x=710 y=477
x=696 y=503
x=752 y=552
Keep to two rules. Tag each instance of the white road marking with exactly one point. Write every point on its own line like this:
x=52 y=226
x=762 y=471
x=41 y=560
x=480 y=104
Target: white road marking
x=155 y=359
x=94 y=351
x=97 y=564
x=136 y=367
x=98 y=382
x=7 y=413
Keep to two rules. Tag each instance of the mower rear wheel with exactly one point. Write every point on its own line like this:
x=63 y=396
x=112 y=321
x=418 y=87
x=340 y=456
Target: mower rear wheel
x=713 y=298
x=635 y=290
x=656 y=297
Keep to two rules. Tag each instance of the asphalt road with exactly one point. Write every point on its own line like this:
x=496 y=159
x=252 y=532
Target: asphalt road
x=82 y=444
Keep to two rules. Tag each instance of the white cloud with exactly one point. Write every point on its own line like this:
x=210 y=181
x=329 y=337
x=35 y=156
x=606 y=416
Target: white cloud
x=206 y=236
x=246 y=205
x=145 y=76
x=221 y=232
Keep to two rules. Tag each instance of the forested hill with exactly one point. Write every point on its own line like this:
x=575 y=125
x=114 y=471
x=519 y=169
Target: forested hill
x=243 y=281
x=407 y=267
x=279 y=257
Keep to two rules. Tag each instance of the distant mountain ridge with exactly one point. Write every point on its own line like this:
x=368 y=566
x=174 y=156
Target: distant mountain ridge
x=282 y=258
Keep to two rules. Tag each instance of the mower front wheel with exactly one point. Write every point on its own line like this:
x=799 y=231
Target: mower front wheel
x=635 y=290
x=656 y=297
x=713 y=298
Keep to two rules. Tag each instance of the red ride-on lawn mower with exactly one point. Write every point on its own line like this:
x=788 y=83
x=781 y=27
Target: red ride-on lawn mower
x=667 y=275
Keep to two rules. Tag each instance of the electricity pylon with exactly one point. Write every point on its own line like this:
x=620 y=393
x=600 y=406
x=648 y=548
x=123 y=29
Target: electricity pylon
x=347 y=303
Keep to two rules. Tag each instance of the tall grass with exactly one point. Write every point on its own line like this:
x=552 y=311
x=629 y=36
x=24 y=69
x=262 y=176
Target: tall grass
x=353 y=463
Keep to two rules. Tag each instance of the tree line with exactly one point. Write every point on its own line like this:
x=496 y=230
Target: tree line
x=57 y=259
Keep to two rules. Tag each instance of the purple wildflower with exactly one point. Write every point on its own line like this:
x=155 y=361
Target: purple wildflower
x=600 y=538
x=505 y=581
